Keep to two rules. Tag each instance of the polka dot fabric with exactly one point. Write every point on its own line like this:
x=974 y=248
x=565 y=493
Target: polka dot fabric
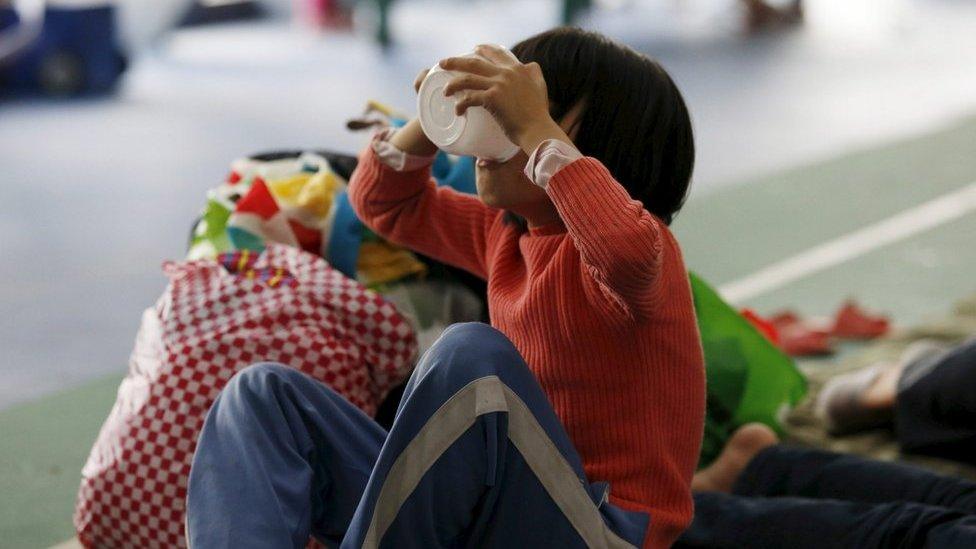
x=209 y=324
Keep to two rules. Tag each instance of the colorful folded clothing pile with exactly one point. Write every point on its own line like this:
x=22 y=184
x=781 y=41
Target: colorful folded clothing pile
x=298 y=201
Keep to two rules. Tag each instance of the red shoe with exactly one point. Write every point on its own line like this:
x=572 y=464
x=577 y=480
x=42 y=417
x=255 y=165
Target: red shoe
x=853 y=322
x=799 y=340
x=798 y=337
x=784 y=318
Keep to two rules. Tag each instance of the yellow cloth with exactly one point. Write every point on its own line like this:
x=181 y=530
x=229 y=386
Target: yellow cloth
x=313 y=193
x=381 y=262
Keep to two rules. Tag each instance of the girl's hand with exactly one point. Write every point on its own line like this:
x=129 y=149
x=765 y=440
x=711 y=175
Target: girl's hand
x=419 y=80
x=514 y=93
x=410 y=138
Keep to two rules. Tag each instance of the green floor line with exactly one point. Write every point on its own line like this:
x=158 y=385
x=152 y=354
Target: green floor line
x=45 y=443
x=733 y=232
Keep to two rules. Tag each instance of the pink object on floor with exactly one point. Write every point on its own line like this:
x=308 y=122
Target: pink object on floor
x=329 y=14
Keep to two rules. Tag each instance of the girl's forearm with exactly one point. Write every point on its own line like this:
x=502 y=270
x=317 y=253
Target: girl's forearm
x=411 y=140
x=620 y=242
x=536 y=132
x=408 y=208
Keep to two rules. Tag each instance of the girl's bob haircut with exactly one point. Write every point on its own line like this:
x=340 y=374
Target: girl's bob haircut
x=634 y=119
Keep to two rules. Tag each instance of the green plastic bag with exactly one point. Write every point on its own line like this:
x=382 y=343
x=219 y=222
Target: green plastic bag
x=749 y=379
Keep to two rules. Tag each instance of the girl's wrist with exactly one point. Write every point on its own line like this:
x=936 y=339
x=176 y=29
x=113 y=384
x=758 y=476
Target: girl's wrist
x=534 y=134
x=412 y=140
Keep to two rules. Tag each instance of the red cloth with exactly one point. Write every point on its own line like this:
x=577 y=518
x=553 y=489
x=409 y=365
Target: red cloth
x=765 y=327
x=599 y=306
x=283 y=305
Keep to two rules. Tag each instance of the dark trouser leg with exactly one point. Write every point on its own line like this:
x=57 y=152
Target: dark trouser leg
x=281 y=456
x=784 y=471
x=795 y=497
x=726 y=520
x=935 y=411
x=477 y=458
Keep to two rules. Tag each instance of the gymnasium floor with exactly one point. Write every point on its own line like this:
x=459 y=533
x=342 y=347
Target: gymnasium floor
x=839 y=160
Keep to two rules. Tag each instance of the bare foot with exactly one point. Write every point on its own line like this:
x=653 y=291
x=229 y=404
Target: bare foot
x=745 y=443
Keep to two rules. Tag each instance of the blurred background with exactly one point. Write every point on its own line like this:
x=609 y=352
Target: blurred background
x=836 y=159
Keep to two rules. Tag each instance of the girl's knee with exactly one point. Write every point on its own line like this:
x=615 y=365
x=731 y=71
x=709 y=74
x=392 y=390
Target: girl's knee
x=479 y=341
x=260 y=381
x=471 y=350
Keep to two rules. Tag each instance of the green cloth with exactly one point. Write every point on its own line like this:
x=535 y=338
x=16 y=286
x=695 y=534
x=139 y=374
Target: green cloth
x=749 y=379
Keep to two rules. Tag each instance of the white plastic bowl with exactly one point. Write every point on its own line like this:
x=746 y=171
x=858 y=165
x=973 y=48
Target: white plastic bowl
x=474 y=133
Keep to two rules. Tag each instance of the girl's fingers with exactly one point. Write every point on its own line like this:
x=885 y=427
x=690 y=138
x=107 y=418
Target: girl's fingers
x=420 y=79
x=467 y=82
x=469 y=99
x=469 y=64
x=496 y=55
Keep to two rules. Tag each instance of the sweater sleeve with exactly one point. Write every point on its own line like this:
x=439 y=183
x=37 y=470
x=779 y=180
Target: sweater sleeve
x=408 y=208
x=621 y=244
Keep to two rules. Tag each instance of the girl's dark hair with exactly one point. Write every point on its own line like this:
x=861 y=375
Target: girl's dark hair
x=634 y=119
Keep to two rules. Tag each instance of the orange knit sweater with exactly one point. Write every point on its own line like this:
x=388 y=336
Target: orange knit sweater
x=600 y=308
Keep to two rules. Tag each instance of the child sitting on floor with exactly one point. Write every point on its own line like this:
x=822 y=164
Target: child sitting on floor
x=576 y=419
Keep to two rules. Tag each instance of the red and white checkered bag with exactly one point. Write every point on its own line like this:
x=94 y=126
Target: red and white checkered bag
x=209 y=324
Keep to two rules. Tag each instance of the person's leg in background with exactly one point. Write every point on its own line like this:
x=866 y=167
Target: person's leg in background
x=935 y=409
x=764 y=494
x=767 y=15
x=802 y=472
x=281 y=456
x=477 y=457
x=929 y=396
